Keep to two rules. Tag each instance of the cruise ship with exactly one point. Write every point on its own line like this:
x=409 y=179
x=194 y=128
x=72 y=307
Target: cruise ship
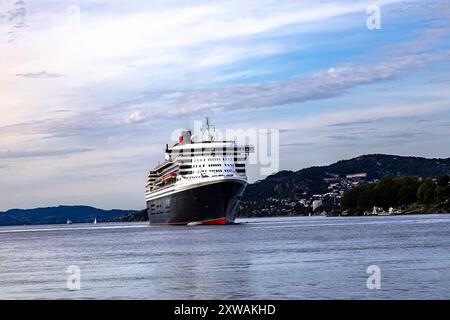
x=199 y=182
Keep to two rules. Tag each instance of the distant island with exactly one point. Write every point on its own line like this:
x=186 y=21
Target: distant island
x=60 y=215
x=347 y=187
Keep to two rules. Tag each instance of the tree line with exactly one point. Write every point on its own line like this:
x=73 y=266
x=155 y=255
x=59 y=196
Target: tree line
x=399 y=192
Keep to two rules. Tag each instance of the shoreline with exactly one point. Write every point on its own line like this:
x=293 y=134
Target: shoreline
x=340 y=215
x=240 y=217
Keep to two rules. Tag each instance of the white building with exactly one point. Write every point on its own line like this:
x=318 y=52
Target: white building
x=316 y=204
x=359 y=175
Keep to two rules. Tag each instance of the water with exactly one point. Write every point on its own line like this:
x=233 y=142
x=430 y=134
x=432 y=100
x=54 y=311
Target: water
x=270 y=258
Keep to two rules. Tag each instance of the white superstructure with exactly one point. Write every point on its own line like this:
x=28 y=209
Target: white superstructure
x=190 y=164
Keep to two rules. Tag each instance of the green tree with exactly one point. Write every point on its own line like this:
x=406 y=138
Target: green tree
x=407 y=193
x=443 y=181
x=387 y=193
x=367 y=197
x=430 y=196
x=443 y=188
x=350 y=199
x=426 y=191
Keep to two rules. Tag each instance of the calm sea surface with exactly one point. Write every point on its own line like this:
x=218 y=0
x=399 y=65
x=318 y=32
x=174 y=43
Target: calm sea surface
x=271 y=258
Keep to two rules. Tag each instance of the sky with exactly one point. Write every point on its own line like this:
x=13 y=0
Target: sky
x=92 y=90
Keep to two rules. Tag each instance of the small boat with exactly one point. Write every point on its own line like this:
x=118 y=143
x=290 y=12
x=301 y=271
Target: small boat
x=195 y=223
x=69 y=221
x=95 y=221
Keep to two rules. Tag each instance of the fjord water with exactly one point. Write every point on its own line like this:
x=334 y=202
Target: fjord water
x=267 y=258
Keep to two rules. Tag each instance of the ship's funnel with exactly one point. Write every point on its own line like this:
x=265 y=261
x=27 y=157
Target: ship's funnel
x=185 y=137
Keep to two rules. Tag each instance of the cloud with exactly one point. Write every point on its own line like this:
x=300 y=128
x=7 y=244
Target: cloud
x=327 y=84
x=136 y=116
x=351 y=123
x=429 y=9
x=43 y=153
x=166 y=42
x=369 y=116
x=14 y=18
x=321 y=85
x=39 y=75
x=297 y=144
x=400 y=135
x=421 y=43
x=344 y=137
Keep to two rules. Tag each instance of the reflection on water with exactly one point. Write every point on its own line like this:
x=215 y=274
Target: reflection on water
x=273 y=258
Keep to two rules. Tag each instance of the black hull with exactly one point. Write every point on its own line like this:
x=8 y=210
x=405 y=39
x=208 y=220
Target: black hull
x=214 y=203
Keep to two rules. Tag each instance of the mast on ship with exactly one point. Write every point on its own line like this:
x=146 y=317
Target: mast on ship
x=207 y=130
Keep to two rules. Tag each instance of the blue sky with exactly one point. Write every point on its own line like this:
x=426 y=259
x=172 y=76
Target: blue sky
x=90 y=91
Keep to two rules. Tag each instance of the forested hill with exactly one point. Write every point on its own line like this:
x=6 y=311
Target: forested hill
x=60 y=214
x=286 y=184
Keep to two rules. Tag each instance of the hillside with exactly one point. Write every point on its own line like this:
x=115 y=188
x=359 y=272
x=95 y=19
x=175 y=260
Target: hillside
x=377 y=166
x=60 y=214
x=290 y=186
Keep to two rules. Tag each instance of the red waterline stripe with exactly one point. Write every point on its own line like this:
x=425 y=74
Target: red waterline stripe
x=206 y=222
x=215 y=221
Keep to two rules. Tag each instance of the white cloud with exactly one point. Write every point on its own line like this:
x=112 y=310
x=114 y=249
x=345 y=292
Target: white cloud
x=136 y=116
x=163 y=39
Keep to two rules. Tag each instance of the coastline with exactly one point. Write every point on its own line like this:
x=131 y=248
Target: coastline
x=128 y=219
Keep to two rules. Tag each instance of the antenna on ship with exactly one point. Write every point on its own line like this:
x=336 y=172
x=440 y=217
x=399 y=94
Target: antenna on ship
x=207 y=129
